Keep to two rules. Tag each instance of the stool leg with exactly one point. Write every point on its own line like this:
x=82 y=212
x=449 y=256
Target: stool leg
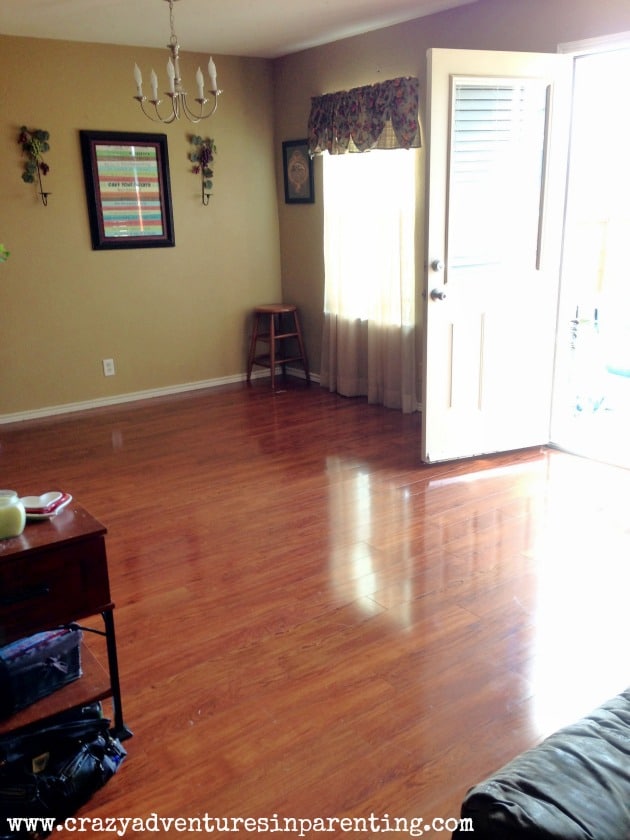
x=282 y=328
x=272 y=350
x=301 y=346
x=252 y=347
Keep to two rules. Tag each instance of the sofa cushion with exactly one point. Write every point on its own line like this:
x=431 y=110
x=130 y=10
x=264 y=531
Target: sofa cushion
x=575 y=785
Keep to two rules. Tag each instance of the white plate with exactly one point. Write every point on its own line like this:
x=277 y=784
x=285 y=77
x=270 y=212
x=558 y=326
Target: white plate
x=51 y=510
x=38 y=502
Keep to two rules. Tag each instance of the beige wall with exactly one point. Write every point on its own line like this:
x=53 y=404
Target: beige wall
x=531 y=25
x=173 y=316
x=167 y=316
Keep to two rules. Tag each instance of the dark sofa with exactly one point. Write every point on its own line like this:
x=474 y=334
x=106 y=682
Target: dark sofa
x=575 y=785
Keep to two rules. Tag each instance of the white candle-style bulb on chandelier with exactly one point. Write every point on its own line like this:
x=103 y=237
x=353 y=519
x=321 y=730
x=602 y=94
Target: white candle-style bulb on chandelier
x=180 y=105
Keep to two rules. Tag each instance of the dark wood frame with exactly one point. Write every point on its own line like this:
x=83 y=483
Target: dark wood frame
x=104 y=237
x=304 y=193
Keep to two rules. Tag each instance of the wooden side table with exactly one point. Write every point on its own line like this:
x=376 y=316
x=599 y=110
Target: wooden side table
x=55 y=573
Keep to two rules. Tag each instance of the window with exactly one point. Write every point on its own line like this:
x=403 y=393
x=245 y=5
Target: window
x=369 y=303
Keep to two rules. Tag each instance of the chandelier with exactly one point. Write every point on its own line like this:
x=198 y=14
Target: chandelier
x=181 y=105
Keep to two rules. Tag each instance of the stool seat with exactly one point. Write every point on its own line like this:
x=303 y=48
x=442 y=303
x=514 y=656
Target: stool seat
x=277 y=327
x=275 y=308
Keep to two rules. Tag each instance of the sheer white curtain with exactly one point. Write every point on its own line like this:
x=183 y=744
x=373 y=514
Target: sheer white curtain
x=369 y=345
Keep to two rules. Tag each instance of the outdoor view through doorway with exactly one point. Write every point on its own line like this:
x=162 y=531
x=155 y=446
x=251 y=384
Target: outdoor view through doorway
x=592 y=399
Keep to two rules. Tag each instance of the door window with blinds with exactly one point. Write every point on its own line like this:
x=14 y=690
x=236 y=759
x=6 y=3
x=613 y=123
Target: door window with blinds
x=497 y=155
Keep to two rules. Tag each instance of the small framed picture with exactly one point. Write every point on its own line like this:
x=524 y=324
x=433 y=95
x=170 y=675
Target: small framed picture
x=298 y=172
x=127 y=182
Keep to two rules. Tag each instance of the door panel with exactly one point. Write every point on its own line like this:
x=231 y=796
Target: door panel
x=498 y=134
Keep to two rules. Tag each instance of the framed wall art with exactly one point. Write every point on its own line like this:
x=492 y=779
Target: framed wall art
x=298 y=172
x=127 y=183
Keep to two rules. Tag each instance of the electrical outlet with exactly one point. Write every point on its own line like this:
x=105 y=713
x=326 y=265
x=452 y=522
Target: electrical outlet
x=109 y=369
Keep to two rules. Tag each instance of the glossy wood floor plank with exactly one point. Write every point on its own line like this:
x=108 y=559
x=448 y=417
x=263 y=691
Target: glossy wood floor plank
x=313 y=623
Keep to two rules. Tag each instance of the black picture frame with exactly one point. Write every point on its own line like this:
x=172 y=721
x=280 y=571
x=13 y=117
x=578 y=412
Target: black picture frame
x=297 y=166
x=128 y=189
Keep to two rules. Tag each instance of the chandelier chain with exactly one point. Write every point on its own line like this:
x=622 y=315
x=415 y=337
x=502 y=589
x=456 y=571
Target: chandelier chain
x=173 y=40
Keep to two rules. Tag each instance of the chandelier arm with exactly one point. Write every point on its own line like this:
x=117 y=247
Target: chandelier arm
x=158 y=117
x=195 y=118
x=179 y=104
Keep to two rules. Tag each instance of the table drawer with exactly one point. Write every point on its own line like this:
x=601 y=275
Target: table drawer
x=51 y=587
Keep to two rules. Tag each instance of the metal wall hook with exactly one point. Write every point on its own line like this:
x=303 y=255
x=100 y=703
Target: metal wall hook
x=42 y=193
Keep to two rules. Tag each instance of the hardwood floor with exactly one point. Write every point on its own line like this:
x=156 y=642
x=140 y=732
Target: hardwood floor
x=313 y=623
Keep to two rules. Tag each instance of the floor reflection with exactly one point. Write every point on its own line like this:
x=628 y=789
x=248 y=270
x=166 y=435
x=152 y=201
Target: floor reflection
x=536 y=553
x=583 y=579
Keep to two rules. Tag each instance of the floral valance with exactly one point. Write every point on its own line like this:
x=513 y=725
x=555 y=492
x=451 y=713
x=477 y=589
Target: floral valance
x=381 y=116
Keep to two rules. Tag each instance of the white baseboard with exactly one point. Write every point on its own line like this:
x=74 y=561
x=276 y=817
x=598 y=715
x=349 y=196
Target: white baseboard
x=117 y=399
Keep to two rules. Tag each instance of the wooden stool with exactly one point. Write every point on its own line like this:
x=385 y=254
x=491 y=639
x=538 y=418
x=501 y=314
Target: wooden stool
x=272 y=324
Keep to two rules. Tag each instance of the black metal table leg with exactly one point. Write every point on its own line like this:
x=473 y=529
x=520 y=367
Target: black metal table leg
x=120 y=730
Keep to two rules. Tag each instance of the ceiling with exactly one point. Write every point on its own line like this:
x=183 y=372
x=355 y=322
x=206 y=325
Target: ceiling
x=255 y=28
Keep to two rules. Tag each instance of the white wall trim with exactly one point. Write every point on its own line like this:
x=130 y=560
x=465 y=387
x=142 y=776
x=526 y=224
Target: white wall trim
x=118 y=399
x=601 y=44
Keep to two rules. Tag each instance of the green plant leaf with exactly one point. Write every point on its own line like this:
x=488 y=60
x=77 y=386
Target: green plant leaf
x=33 y=144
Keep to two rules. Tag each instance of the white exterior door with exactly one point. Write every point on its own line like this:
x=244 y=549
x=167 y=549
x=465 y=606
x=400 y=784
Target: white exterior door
x=498 y=127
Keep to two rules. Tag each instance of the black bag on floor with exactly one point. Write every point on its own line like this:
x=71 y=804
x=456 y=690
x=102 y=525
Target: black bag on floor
x=51 y=769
